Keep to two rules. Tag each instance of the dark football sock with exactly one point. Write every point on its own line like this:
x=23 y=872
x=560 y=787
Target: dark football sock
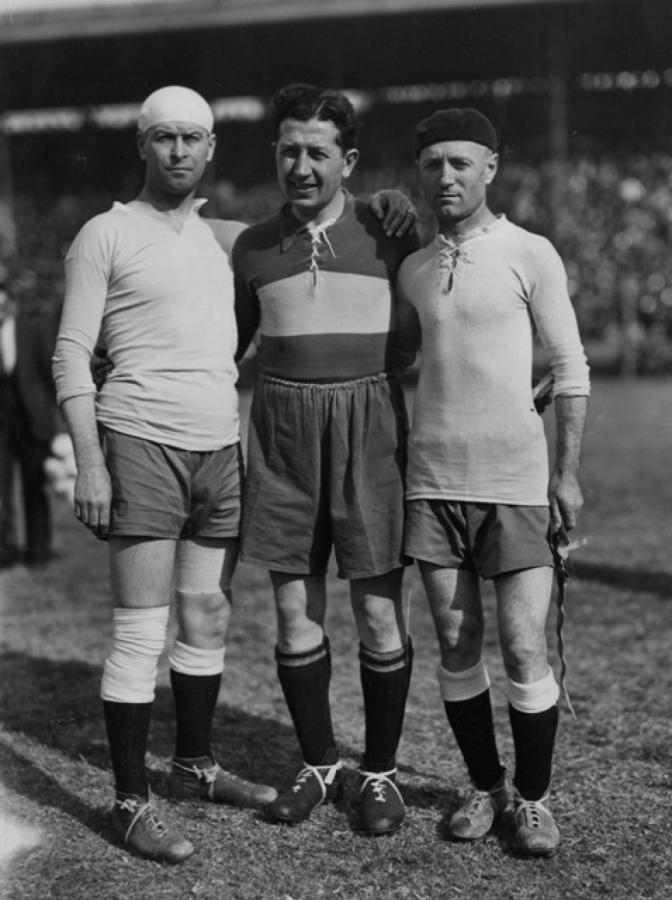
x=304 y=678
x=195 y=700
x=385 y=679
x=127 y=727
x=474 y=730
x=533 y=740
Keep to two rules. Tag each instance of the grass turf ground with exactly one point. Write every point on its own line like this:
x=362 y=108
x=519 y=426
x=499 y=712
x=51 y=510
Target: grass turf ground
x=612 y=780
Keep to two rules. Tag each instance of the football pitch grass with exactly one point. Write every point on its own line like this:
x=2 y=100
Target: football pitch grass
x=613 y=772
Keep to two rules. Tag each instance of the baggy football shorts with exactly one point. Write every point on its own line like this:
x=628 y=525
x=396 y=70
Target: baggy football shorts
x=490 y=538
x=325 y=469
x=165 y=492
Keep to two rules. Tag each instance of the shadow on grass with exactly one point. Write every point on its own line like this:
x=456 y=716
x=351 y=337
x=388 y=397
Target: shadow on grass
x=58 y=704
x=629 y=579
x=31 y=781
x=428 y=796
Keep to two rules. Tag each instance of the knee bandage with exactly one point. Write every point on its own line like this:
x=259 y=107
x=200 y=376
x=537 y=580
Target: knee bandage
x=536 y=697
x=456 y=686
x=195 y=661
x=129 y=673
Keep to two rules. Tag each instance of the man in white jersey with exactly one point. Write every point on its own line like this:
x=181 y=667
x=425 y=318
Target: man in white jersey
x=479 y=500
x=158 y=455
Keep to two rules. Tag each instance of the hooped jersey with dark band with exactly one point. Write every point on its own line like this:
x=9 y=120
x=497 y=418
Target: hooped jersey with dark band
x=322 y=299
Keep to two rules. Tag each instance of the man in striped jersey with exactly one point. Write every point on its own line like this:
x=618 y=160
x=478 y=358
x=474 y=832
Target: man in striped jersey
x=326 y=447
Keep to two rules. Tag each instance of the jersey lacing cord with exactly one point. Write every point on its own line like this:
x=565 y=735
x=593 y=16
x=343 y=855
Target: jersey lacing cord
x=318 y=236
x=449 y=256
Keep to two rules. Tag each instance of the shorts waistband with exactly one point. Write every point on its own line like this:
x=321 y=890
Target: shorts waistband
x=104 y=429
x=379 y=378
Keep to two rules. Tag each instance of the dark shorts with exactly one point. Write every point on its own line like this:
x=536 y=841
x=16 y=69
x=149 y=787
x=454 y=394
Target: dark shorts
x=489 y=538
x=165 y=492
x=325 y=468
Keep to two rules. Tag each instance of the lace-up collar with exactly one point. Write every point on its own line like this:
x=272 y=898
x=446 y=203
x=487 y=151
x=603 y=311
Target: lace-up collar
x=453 y=252
x=317 y=235
x=291 y=229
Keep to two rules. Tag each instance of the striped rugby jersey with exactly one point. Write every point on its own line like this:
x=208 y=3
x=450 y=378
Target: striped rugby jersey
x=323 y=301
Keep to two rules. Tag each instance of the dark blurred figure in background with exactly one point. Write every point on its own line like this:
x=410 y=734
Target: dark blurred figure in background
x=28 y=421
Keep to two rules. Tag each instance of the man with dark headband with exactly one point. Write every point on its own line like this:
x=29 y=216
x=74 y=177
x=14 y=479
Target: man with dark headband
x=478 y=491
x=326 y=448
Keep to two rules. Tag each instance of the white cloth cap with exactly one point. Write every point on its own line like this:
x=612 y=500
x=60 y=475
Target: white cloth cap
x=175 y=104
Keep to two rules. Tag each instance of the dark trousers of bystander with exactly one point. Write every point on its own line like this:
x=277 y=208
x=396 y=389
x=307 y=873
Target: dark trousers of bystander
x=21 y=451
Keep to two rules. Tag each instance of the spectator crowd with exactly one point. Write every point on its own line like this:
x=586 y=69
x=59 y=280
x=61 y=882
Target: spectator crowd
x=608 y=213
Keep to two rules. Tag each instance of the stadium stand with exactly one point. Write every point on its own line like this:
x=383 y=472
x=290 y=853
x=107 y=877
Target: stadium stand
x=580 y=91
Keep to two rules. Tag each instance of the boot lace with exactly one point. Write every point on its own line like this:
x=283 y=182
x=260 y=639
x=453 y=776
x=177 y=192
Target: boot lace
x=316 y=772
x=532 y=811
x=144 y=811
x=379 y=782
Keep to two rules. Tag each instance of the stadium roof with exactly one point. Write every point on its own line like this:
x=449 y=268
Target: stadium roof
x=85 y=53
x=44 y=20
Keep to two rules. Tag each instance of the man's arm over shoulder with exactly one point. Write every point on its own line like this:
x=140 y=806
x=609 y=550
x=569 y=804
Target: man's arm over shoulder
x=395 y=211
x=397 y=246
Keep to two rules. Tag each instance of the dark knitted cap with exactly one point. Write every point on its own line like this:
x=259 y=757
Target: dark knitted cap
x=455 y=124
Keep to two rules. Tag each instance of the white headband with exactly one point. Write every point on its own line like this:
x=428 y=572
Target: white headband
x=175 y=104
